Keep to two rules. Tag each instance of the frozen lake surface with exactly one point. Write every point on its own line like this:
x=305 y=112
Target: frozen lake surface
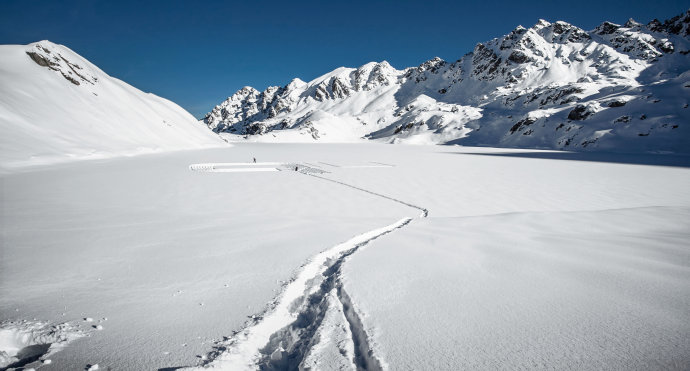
x=399 y=257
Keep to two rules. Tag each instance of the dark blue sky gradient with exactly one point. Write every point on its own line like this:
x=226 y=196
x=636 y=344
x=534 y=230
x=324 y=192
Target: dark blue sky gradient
x=198 y=53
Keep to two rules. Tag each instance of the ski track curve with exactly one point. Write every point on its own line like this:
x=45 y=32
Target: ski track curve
x=282 y=336
x=424 y=211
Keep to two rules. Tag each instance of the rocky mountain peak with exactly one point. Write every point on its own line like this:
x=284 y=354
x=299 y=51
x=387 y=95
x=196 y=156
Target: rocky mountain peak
x=373 y=74
x=541 y=23
x=433 y=64
x=678 y=25
x=606 y=28
x=564 y=32
x=425 y=70
x=244 y=93
x=631 y=23
x=296 y=82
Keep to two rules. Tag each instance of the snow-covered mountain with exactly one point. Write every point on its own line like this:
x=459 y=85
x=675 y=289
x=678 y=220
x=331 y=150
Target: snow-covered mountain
x=553 y=85
x=56 y=105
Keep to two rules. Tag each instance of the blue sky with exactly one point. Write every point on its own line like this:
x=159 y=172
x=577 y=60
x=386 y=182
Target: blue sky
x=198 y=53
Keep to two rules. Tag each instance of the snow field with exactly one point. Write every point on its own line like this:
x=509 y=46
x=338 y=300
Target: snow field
x=389 y=341
x=551 y=290
x=525 y=259
x=145 y=242
x=528 y=261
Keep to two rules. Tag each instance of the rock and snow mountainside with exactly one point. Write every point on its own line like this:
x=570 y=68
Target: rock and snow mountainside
x=553 y=85
x=56 y=105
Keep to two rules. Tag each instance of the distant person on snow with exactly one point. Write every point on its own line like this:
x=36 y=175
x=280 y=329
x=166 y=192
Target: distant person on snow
x=295 y=168
x=254 y=159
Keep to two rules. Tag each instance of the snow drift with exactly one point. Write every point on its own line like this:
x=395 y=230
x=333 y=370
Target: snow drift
x=56 y=105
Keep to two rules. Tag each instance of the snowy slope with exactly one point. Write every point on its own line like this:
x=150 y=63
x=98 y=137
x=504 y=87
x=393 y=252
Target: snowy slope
x=56 y=105
x=553 y=85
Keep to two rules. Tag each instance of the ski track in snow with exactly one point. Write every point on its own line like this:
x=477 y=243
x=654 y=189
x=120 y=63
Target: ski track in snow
x=285 y=334
x=424 y=211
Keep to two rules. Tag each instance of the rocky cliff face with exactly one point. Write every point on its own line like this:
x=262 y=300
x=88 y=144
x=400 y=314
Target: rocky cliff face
x=553 y=85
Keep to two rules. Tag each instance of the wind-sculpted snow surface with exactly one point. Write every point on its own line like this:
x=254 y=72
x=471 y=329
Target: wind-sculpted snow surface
x=56 y=106
x=616 y=88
